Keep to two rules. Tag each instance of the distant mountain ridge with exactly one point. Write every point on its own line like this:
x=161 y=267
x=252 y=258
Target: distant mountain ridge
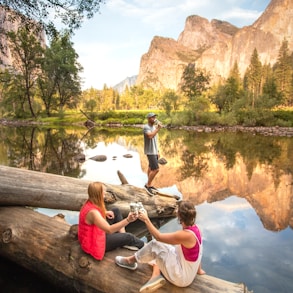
x=216 y=46
x=127 y=82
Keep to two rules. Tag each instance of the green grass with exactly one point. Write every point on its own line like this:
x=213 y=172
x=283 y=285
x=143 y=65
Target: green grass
x=279 y=117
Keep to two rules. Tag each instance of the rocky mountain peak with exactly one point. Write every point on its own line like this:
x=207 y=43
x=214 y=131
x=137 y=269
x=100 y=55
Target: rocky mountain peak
x=277 y=19
x=199 y=33
x=216 y=45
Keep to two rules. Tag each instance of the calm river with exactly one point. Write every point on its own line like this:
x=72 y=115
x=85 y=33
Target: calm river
x=241 y=185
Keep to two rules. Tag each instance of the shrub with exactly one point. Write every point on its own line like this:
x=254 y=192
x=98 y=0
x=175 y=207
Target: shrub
x=284 y=115
x=133 y=121
x=228 y=119
x=208 y=118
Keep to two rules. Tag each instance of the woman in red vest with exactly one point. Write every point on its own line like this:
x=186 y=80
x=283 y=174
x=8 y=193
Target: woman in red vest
x=100 y=230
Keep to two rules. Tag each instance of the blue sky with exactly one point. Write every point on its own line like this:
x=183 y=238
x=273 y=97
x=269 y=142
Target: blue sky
x=111 y=44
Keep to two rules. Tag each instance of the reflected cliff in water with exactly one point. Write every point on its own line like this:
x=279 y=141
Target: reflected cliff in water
x=212 y=167
x=204 y=167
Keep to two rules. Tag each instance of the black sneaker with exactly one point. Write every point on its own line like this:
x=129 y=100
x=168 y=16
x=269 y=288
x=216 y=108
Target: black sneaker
x=154 y=188
x=150 y=191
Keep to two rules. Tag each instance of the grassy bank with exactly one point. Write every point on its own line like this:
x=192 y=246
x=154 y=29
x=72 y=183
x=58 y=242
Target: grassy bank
x=280 y=117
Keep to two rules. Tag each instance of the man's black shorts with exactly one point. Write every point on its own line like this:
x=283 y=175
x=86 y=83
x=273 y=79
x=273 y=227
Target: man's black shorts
x=153 y=162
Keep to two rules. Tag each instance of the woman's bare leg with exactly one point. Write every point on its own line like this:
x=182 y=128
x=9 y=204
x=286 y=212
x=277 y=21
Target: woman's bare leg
x=156 y=271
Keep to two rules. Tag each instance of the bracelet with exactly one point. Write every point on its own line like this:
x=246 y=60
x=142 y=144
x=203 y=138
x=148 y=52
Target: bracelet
x=127 y=220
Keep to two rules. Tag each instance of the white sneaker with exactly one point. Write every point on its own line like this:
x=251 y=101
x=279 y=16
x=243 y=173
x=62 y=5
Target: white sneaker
x=129 y=247
x=120 y=261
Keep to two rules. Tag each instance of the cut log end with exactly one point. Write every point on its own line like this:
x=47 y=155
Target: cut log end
x=7 y=235
x=84 y=262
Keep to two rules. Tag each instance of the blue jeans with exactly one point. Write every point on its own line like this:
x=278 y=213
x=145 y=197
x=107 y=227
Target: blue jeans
x=118 y=239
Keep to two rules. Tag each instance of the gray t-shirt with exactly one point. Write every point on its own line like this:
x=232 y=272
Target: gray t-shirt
x=150 y=144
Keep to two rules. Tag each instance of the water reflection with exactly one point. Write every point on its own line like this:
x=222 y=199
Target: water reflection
x=205 y=167
x=247 y=238
x=45 y=150
x=106 y=171
x=243 y=249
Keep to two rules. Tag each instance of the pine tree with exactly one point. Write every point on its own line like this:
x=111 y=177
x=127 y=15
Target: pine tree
x=194 y=82
x=254 y=78
x=283 y=71
x=229 y=92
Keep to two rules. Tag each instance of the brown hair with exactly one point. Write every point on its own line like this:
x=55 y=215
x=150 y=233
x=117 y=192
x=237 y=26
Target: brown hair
x=186 y=213
x=96 y=196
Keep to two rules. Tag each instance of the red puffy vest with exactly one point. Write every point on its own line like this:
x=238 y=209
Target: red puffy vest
x=91 y=238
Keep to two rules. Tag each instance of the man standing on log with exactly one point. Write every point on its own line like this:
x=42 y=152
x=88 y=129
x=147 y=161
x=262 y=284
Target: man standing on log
x=150 y=131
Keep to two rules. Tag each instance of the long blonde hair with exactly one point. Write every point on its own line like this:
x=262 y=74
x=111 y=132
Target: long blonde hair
x=95 y=193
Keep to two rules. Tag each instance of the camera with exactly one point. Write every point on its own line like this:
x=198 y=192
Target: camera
x=157 y=122
x=136 y=207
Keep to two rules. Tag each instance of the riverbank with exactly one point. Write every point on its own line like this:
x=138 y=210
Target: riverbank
x=266 y=131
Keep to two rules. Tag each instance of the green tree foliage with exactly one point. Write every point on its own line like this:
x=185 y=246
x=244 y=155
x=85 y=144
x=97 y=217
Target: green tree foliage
x=5 y=84
x=137 y=97
x=271 y=96
x=170 y=101
x=27 y=52
x=87 y=96
x=253 y=78
x=68 y=82
x=234 y=73
x=48 y=76
x=12 y=99
x=283 y=72
x=229 y=92
x=46 y=12
x=47 y=80
x=194 y=82
x=136 y=92
x=108 y=98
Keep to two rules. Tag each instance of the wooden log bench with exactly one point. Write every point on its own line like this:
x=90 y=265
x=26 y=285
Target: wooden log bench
x=21 y=187
x=49 y=247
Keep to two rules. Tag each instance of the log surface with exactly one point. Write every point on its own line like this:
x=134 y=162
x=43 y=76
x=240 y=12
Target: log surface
x=49 y=248
x=20 y=187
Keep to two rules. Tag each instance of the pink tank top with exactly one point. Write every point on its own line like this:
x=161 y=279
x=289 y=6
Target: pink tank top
x=91 y=238
x=191 y=254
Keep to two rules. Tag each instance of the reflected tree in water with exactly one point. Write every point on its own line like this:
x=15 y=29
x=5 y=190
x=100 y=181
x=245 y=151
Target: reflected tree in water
x=259 y=150
x=48 y=151
x=193 y=165
x=59 y=151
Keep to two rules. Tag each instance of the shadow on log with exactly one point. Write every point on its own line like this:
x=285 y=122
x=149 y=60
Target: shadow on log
x=19 y=187
x=49 y=248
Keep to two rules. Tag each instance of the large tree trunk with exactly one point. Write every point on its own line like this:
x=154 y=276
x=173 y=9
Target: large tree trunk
x=30 y=188
x=50 y=248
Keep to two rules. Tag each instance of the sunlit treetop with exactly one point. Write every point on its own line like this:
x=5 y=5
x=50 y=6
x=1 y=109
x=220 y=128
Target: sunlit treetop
x=70 y=13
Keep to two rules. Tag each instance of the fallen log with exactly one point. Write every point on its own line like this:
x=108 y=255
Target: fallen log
x=49 y=248
x=20 y=187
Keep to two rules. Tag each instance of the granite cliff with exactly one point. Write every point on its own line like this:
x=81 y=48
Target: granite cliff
x=10 y=22
x=216 y=46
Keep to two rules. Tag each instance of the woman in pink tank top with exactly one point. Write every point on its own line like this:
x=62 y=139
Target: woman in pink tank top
x=174 y=256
